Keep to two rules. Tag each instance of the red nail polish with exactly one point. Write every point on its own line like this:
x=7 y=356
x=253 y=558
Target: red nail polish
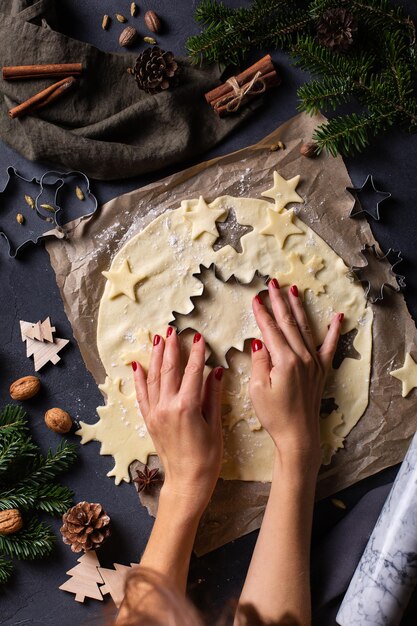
x=218 y=373
x=274 y=283
x=258 y=299
x=134 y=366
x=197 y=337
x=341 y=317
x=156 y=339
x=256 y=345
x=169 y=331
x=294 y=290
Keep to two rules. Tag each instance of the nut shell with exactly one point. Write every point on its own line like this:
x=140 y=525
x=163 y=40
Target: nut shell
x=10 y=521
x=58 y=420
x=25 y=388
x=128 y=36
x=152 y=21
x=309 y=149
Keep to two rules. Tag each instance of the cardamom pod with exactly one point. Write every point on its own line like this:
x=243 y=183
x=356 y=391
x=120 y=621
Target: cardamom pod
x=149 y=40
x=120 y=18
x=339 y=504
x=106 y=22
x=133 y=9
x=20 y=219
x=30 y=201
x=277 y=146
x=79 y=193
x=48 y=207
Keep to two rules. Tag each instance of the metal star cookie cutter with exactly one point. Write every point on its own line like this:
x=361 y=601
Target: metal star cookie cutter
x=367 y=186
x=378 y=267
x=60 y=182
x=33 y=229
x=213 y=269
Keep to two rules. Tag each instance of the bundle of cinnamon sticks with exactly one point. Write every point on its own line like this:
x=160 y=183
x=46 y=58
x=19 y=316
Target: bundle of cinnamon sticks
x=236 y=91
x=67 y=72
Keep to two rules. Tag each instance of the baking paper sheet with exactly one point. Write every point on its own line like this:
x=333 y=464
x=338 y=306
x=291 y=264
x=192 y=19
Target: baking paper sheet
x=381 y=437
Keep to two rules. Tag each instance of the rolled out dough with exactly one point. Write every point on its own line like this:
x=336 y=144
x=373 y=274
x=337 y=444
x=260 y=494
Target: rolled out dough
x=166 y=255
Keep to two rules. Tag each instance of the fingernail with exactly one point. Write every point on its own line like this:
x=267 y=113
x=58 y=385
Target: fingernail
x=169 y=331
x=274 y=283
x=340 y=317
x=294 y=290
x=156 y=340
x=134 y=366
x=218 y=373
x=258 y=299
x=197 y=337
x=256 y=345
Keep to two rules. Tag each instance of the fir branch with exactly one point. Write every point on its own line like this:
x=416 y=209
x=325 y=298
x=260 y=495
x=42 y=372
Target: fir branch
x=6 y=569
x=350 y=133
x=54 y=499
x=45 y=468
x=324 y=94
x=12 y=419
x=22 y=498
x=34 y=541
x=210 y=11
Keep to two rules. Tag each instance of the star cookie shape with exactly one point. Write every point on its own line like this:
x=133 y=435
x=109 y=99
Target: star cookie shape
x=203 y=219
x=281 y=226
x=407 y=374
x=283 y=191
x=303 y=274
x=123 y=281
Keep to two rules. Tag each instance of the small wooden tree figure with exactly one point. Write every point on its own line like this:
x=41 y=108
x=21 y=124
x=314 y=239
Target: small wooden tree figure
x=40 y=342
x=114 y=581
x=84 y=578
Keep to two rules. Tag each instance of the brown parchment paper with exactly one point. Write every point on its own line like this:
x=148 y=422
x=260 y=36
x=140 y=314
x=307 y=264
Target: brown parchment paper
x=381 y=437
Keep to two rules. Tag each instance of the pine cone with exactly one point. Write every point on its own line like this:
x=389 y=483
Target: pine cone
x=155 y=70
x=336 y=29
x=85 y=526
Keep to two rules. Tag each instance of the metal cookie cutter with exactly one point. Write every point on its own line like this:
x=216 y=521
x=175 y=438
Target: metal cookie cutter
x=369 y=194
x=58 y=190
x=377 y=274
x=34 y=226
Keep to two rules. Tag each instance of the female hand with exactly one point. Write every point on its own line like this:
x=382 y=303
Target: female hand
x=183 y=418
x=288 y=375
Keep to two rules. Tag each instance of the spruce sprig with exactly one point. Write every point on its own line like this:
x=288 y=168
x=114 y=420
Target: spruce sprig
x=379 y=71
x=28 y=483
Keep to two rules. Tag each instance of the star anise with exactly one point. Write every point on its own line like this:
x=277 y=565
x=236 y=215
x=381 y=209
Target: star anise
x=147 y=478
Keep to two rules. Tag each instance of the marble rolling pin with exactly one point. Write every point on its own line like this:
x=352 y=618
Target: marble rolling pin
x=384 y=580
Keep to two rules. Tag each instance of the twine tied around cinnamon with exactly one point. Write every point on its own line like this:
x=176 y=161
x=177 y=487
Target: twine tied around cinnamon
x=233 y=101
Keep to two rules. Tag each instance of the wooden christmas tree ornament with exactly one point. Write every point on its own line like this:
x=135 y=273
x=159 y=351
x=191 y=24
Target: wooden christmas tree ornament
x=84 y=578
x=114 y=581
x=40 y=342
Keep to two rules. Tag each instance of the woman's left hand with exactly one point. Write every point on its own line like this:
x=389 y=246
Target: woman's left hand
x=182 y=414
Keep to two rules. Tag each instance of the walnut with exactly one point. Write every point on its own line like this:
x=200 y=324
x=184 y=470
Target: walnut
x=10 y=521
x=25 y=388
x=58 y=420
x=128 y=36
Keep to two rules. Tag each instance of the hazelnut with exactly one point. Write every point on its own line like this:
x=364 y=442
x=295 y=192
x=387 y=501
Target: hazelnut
x=309 y=149
x=152 y=21
x=58 y=420
x=25 y=388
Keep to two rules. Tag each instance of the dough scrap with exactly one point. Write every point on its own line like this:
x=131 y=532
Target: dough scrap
x=407 y=374
x=168 y=255
x=283 y=191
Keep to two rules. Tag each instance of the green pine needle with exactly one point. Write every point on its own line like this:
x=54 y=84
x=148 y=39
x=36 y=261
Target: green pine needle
x=6 y=569
x=34 y=541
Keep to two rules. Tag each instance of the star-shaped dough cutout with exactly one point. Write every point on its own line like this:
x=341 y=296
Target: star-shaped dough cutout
x=141 y=349
x=281 y=226
x=203 y=219
x=303 y=274
x=283 y=191
x=123 y=281
x=407 y=374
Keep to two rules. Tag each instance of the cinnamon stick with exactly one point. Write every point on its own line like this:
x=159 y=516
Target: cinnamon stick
x=270 y=80
x=59 y=70
x=43 y=98
x=264 y=66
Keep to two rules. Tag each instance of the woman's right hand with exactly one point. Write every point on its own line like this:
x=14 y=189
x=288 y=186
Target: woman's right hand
x=288 y=375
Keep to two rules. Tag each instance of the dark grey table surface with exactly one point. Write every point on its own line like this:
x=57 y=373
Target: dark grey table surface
x=29 y=292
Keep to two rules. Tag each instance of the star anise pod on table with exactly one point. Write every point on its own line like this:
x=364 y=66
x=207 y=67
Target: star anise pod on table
x=146 y=478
